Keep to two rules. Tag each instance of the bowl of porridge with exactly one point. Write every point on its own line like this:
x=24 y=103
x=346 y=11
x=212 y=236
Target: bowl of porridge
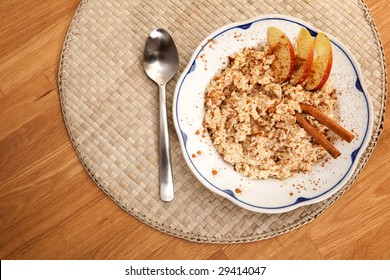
x=237 y=123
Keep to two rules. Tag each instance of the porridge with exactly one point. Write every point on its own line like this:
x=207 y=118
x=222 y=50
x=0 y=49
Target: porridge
x=251 y=118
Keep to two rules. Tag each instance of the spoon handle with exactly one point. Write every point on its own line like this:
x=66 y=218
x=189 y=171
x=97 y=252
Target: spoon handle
x=166 y=181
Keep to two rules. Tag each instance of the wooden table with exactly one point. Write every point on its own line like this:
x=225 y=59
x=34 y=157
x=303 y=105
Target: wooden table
x=51 y=209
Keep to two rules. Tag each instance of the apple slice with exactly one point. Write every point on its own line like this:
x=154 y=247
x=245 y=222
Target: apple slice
x=280 y=44
x=303 y=57
x=322 y=65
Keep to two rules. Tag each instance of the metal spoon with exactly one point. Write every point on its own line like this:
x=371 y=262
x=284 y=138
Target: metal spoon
x=161 y=61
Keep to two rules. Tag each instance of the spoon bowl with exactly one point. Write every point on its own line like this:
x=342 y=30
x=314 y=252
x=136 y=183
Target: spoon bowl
x=161 y=58
x=161 y=61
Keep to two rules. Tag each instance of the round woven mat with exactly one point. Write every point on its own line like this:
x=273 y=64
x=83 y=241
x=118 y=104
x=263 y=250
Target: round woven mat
x=110 y=107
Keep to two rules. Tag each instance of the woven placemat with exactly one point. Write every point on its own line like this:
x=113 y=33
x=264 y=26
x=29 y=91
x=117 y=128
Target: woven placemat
x=110 y=107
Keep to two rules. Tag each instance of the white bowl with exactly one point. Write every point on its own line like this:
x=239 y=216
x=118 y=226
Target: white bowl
x=268 y=195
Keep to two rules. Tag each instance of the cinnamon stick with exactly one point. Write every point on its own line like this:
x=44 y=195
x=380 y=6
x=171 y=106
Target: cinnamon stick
x=312 y=131
x=328 y=122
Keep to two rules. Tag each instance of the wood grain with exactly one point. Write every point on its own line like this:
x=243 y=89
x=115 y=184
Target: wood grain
x=42 y=216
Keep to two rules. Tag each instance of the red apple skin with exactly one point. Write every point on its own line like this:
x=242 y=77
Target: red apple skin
x=282 y=48
x=303 y=58
x=322 y=65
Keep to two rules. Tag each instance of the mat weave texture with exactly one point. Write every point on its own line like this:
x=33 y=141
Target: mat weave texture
x=110 y=107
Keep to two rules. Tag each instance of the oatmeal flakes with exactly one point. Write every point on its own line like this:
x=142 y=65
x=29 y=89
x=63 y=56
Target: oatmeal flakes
x=251 y=118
